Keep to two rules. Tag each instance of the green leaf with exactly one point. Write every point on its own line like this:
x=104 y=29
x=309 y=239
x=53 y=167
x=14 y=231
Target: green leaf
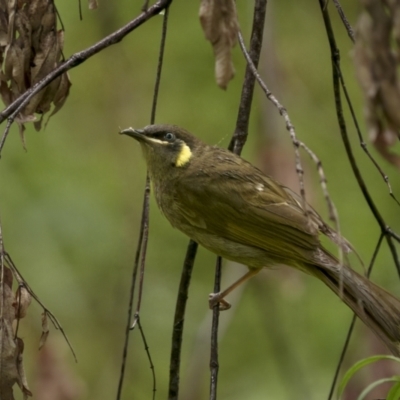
x=357 y=366
x=394 y=392
x=373 y=385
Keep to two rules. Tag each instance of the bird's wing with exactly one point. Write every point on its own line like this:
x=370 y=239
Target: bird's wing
x=241 y=204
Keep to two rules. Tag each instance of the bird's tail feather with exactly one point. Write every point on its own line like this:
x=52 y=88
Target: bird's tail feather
x=377 y=308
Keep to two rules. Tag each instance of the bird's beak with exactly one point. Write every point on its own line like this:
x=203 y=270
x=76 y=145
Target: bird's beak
x=137 y=134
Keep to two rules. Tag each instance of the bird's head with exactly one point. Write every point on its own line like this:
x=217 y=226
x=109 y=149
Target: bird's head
x=165 y=147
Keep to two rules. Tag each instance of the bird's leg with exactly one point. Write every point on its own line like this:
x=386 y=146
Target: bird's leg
x=219 y=298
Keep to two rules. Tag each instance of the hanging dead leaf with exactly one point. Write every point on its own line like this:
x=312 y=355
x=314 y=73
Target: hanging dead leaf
x=10 y=347
x=45 y=330
x=93 y=4
x=377 y=65
x=220 y=25
x=31 y=48
x=22 y=302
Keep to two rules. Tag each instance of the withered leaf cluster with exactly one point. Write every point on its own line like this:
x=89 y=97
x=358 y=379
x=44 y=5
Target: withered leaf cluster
x=30 y=48
x=220 y=25
x=13 y=307
x=377 y=60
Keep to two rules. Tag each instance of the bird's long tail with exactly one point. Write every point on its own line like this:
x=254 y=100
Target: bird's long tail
x=377 y=308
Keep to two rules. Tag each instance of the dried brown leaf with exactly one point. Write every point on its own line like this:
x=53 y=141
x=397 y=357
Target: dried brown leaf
x=31 y=47
x=11 y=8
x=93 y=4
x=62 y=93
x=14 y=67
x=21 y=370
x=382 y=141
x=5 y=93
x=377 y=65
x=9 y=350
x=220 y=25
x=22 y=302
x=45 y=330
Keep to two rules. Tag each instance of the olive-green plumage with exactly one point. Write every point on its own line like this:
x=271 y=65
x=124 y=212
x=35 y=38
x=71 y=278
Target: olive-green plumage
x=234 y=210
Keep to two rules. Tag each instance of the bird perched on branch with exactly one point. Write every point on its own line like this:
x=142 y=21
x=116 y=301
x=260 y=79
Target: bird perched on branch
x=234 y=210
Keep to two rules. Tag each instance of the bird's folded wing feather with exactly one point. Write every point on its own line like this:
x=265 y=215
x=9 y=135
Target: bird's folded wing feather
x=251 y=209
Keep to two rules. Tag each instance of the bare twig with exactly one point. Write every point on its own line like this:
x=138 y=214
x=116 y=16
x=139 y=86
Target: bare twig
x=22 y=283
x=145 y=211
x=179 y=318
x=352 y=323
x=238 y=140
x=333 y=215
x=336 y=71
x=146 y=347
x=361 y=139
x=214 y=363
x=141 y=249
x=78 y=58
x=242 y=122
x=346 y=23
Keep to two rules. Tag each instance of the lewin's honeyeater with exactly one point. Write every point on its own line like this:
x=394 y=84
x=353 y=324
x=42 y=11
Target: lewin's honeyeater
x=234 y=210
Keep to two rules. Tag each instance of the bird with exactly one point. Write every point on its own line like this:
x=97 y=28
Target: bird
x=234 y=210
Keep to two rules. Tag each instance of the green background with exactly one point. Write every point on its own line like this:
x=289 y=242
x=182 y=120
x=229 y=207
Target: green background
x=70 y=208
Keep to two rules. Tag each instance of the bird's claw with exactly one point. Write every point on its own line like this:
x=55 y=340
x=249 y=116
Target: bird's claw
x=214 y=299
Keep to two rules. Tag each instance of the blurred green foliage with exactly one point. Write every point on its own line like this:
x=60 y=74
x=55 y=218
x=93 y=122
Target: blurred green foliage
x=70 y=207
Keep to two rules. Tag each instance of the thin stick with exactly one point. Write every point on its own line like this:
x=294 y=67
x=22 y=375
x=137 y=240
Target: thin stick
x=346 y=23
x=238 y=140
x=132 y=289
x=22 y=282
x=141 y=249
x=333 y=214
x=214 y=363
x=179 y=319
x=361 y=139
x=352 y=323
x=336 y=72
x=147 y=349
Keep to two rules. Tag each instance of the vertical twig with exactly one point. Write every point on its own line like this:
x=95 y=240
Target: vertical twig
x=238 y=140
x=352 y=323
x=346 y=23
x=337 y=78
x=179 y=318
x=143 y=236
x=385 y=230
x=132 y=289
x=214 y=362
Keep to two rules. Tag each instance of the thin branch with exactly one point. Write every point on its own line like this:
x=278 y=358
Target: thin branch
x=214 y=363
x=143 y=225
x=146 y=347
x=346 y=23
x=283 y=112
x=333 y=214
x=238 y=140
x=361 y=139
x=141 y=249
x=336 y=71
x=22 y=283
x=352 y=323
x=179 y=318
x=242 y=122
x=76 y=59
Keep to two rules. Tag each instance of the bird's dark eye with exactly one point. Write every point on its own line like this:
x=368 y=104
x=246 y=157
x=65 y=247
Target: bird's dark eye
x=169 y=136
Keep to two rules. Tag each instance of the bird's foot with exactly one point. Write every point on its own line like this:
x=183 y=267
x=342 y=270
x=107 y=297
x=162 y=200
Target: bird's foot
x=215 y=298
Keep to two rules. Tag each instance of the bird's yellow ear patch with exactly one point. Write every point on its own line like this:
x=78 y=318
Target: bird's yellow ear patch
x=184 y=156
